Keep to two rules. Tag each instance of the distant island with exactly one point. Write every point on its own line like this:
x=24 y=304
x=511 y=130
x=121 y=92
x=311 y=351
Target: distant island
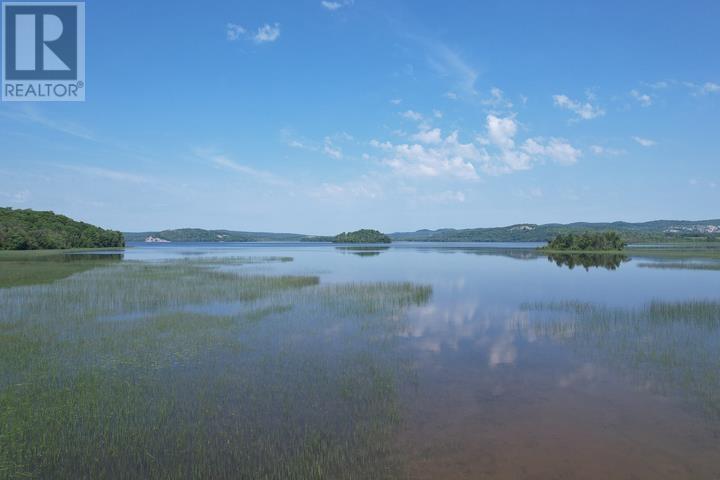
x=586 y=242
x=362 y=236
x=35 y=230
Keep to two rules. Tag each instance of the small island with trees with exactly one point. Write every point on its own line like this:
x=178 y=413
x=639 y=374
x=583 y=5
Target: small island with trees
x=586 y=242
x=362 y=236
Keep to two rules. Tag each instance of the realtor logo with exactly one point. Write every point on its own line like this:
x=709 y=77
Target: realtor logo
x=43 y=46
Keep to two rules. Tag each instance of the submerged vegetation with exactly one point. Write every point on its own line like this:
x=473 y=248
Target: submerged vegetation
x=671 y=346
x=198 y=369
x=362 y=236
x=588 y=241
x=682 y=265
x=33 y=230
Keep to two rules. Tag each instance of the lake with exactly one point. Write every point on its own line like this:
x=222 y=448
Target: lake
x=284 y=360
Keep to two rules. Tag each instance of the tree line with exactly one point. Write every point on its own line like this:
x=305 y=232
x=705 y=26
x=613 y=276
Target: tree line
x=34 y=230
x=587 y=241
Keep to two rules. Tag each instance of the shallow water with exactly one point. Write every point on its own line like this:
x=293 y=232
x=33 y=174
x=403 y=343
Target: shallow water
x=519 y=366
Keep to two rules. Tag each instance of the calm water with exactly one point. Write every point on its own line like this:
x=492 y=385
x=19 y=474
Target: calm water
x=520 y=366
x=498 y=397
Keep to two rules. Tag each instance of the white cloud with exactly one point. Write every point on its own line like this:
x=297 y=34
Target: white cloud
x=645 y=142
x=451 y=95
x=412 y=115
x=507 y=157
x=497 y=99
x=431 y=136
x=331 y=150
x=556 y=149
x=704 y=89
x=327 y=147
x=224 y=162
x=604 y=151
x=710 y=87
x=643 y=99
x=584 y=111
x=494 y=152
x=334 y=5
x=267 y=33
x=449 y=63
x=396 y=101
x=450 y=158
x=234 y=31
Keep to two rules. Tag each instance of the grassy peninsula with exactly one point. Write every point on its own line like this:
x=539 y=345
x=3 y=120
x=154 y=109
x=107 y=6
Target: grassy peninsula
x=34 y=230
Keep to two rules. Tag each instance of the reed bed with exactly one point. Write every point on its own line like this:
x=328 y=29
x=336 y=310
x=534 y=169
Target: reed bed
x=180 y=369
x=670 y=346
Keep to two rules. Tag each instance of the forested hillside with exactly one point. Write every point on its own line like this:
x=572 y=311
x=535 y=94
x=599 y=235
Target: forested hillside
x=33 y=230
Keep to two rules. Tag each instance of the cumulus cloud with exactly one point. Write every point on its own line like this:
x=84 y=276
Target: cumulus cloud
x=449 y=158
x=335 y=5
x=267 y=33
x=234 y=31
x=430 y=136
x=643 y=99
x=584 y=111
x=494 y=152
x=497 y=99
x=503 y=155
x=645 y=142
x=411 y=115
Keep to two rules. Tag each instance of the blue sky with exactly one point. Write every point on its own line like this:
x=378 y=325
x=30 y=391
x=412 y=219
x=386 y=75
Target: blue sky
x=324 y=116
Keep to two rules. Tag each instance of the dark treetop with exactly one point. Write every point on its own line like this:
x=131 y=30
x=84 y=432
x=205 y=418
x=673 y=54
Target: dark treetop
x=362 y=236
x=588 y=241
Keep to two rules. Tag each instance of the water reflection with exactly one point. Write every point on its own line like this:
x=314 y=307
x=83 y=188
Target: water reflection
x=363 y=251
x=588 y=260
x=31 y=268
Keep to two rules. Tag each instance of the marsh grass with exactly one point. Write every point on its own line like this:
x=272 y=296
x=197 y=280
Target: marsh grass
x=670 y=346
x=30 y=268
x=108 y=374
x=684 y=265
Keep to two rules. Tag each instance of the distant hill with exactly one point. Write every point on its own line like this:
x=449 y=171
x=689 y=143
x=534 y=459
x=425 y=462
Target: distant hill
x=33 y=230
x=362 y=236
x=201 y=235
x=654 y=231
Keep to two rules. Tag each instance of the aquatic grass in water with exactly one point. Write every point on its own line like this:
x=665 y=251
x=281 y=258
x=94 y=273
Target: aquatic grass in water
x=107 y=374
x=681 y=265
x=672 y=346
